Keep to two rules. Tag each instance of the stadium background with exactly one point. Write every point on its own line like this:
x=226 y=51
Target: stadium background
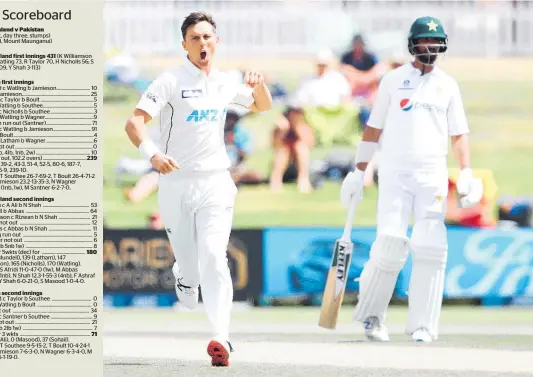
x=282 y=242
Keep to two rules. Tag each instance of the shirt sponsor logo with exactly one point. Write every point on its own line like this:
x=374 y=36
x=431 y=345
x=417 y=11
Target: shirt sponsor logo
x=407 y=105
x=205 y=115
x=192 y=93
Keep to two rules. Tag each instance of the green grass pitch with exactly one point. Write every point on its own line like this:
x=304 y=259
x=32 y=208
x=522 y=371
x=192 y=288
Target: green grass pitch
x=500 y=112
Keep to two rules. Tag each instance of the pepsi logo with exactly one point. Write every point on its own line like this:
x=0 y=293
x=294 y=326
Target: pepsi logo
x=405 y=104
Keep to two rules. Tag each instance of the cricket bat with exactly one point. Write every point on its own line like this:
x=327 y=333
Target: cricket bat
x=337 y=275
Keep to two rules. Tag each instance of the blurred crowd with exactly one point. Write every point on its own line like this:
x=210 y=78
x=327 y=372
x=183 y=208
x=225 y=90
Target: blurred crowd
x=326 y=110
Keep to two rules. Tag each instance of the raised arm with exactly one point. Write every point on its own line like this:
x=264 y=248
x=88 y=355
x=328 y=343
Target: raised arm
x=255 y=94
x=261 y=93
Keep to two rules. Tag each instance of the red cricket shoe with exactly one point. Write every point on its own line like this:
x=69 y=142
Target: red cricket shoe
x=219 y=353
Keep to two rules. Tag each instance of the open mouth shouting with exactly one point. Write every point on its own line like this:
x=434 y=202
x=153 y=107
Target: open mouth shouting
x=203 y=54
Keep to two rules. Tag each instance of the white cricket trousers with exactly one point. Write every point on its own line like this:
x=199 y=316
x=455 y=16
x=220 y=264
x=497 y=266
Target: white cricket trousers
x=421 y=194
x=402 y=195
x=197 y=210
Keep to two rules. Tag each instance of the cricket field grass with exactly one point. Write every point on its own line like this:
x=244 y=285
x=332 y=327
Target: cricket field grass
x=499 y=106
x=474 y=341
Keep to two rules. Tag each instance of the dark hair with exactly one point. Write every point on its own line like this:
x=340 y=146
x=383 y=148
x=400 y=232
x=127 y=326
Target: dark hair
x=359 y=38
x=195 y=18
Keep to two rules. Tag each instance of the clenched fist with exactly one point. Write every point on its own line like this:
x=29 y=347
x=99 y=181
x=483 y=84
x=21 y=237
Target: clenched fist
x=251 y=79
x=164 y=164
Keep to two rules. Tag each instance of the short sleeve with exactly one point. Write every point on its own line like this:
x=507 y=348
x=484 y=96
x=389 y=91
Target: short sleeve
x=158 y=94
x=378 y=115
x=244 y=96
x=457 y=123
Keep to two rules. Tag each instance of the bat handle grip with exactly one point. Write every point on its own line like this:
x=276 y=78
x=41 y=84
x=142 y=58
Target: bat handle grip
x=346 y=236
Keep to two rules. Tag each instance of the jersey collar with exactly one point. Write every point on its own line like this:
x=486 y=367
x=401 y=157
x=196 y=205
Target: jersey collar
x=191 y=68
x=418 y=72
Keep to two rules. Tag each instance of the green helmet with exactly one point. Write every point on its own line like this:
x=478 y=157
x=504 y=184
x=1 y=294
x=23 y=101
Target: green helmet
x=427 y=27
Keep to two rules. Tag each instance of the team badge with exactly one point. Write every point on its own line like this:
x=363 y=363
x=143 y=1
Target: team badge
x=405 y=84
x=192 y=93
x=432 y=26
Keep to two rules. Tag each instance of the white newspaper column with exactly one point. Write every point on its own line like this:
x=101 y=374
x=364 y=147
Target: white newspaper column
x=51 y=60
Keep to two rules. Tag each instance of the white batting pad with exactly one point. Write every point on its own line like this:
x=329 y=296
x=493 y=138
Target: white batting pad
x=378 y=279
x=429 y=251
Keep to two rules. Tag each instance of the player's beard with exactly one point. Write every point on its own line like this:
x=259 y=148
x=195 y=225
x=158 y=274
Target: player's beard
x=427 y=59
x=429 y=56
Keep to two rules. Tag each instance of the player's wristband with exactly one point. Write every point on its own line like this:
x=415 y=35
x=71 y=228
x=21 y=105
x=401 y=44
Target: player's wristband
x=365 y=151
x=148 y=149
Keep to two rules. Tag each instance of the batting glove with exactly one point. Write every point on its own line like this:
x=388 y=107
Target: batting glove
x=470 y=189
x=352 y=186
x=464 y=182
x=474 y=195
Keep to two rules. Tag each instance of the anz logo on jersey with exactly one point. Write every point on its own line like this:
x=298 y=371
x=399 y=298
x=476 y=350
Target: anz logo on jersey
x=206 y=115
x=407 y=105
